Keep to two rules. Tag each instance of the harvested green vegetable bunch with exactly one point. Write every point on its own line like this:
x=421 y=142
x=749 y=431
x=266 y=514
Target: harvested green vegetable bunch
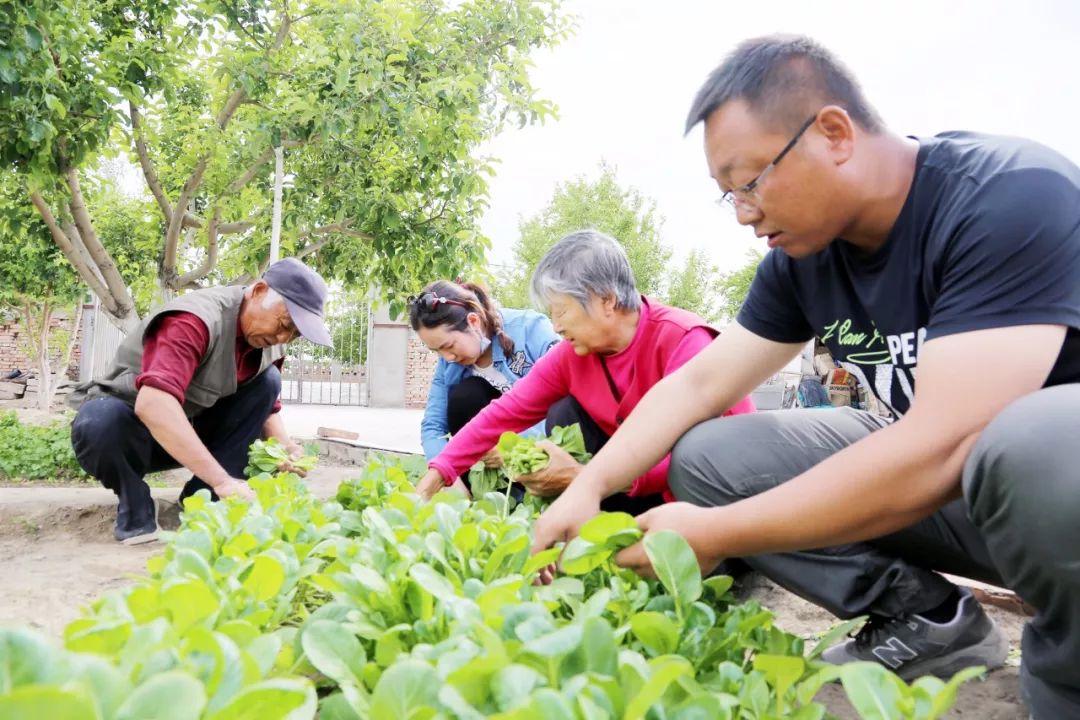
x=266 y=456
x=521 y=456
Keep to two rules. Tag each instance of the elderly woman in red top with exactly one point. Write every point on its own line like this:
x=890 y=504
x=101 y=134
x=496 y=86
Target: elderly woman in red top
x=616 y=345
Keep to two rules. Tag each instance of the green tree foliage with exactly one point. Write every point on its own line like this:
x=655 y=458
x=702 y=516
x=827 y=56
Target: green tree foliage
x=695 y=286
x=734 y=286
x=36 y=281
x=626 y=215
x=379 y=106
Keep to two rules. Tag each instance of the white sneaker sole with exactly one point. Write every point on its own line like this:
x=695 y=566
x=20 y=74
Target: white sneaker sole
x=990 y=652
x=141 y=539
x=149 y=537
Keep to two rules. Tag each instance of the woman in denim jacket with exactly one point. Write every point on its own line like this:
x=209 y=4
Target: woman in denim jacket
x=483 y=350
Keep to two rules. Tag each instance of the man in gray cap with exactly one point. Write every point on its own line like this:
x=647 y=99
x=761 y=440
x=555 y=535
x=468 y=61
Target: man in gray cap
x=194 y=385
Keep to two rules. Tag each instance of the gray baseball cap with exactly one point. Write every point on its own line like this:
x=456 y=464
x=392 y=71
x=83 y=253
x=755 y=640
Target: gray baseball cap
x=305 y=294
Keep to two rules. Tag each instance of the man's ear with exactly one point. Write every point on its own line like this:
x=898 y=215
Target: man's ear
x=259 y=289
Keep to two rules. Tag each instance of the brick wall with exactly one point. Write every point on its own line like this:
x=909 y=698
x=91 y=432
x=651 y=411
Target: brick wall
x=15 y=350
x=420 y=366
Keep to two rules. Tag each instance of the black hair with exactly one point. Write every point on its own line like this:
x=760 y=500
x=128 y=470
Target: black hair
x=473 y=296
x=784 y=79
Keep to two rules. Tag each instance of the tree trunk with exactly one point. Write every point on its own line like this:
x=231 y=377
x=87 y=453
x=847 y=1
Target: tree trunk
x=102 y=279
x=45 y=385
x=37 y=339
x=65 y=359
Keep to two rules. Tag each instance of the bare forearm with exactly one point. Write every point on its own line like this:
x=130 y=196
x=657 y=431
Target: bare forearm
x=887 y=482
x=642 y=441
x=710 y=383
x=170 y=427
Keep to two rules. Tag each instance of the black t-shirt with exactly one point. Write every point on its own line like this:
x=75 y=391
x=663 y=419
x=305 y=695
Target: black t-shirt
x=989 y=236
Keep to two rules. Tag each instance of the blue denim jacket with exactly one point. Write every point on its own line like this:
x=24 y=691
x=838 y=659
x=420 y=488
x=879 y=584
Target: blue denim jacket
x=532 y=335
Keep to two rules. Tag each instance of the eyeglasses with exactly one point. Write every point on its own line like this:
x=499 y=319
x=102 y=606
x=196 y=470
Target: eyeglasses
x=429 y=301
x=746 y=194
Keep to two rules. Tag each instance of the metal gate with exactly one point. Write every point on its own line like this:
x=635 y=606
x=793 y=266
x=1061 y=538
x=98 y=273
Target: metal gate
x=332 y=376
x=99 y=342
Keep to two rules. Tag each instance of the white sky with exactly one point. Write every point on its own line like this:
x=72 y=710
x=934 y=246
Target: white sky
x=625 y=80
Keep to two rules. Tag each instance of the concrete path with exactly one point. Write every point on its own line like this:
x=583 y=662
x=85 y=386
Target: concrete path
x=393 y=429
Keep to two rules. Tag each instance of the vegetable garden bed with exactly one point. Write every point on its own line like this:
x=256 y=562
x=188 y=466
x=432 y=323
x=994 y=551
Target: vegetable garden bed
x=375 y=605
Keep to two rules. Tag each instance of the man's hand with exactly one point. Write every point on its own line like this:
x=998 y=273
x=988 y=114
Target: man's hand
x=697 y=524
x=564 y=517
x=492 y=459
x=556 y=477
x=231 y=487
x=296 y=451
x=431 y=483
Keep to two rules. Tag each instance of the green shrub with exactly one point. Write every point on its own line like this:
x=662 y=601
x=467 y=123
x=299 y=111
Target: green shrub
x=36 y=452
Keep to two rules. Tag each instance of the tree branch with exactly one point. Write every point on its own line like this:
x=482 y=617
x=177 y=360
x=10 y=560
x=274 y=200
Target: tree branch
x=252 y=170
x=73 y=233
x=73 y=340
x=283 y=31
x=235 y=227
x=45 y=386
x=210 y=261
x=313 y=248
x=329 y=231
x=73 y=254
x=150 y=174
x=102 y=259
x=172 y=235
x=147 y=164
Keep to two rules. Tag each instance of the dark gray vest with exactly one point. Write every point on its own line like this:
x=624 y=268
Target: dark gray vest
x=215 y=376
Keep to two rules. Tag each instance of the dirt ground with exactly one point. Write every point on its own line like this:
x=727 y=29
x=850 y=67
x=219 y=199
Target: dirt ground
x=57 y=555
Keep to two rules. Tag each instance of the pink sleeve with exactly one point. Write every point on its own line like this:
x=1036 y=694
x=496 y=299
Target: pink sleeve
x=652 y=482
x=693 y=343
x=655 y=480
x=526 y=404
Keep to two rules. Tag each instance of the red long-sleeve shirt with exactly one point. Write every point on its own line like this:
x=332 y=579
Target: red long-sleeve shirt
x=174 y=347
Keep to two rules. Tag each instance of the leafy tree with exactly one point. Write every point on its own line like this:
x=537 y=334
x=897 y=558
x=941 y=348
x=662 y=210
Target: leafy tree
x=379 y=108
x=601 y=204
x=734 y=286
x=130 y=228
x=695 y=286
x=624 y=214
x=35 y=282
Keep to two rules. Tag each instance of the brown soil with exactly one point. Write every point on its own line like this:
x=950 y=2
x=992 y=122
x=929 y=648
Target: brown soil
x=995 y=698
x=57 y=555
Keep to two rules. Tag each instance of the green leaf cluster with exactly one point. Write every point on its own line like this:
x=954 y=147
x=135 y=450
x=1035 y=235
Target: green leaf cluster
x=36 y=452
x=631 y=218
x=522 y=456
x=378 y=605
x=382 y=110
x=266 y=458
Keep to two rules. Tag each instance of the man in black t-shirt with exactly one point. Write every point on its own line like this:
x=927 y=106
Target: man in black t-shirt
x=943 y=272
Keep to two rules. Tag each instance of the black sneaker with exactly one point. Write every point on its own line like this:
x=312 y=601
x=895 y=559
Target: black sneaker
x=139 y=533
x=912 y=646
